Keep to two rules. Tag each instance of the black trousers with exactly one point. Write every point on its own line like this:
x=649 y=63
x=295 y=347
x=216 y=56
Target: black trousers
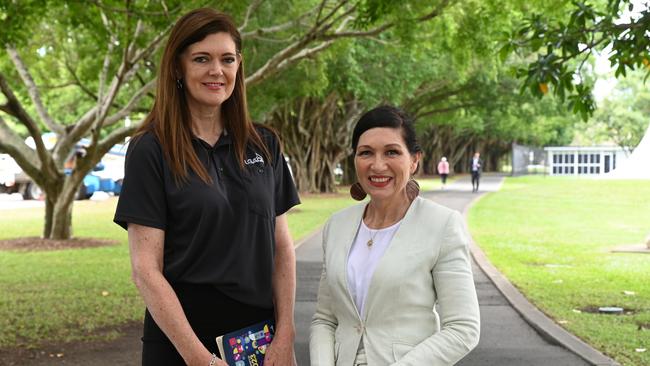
x=444 y=178
x=476 y=175
x=209 y=312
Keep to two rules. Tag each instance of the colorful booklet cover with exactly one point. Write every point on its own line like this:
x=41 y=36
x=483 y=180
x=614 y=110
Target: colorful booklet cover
x=247 y=346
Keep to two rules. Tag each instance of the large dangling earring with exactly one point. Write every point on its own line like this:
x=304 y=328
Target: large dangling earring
x=412 y=189
x=357 y=192
x=179 y=83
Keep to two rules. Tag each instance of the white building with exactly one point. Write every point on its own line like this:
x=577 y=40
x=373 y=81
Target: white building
x=583 y=160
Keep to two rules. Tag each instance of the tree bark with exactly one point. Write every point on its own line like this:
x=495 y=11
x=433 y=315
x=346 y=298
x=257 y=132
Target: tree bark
x=316 y=135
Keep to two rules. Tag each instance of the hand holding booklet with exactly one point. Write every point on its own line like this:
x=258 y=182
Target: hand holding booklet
x=246 y=346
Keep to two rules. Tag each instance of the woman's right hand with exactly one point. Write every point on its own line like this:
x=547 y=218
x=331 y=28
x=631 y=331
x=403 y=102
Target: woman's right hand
x=204 y=360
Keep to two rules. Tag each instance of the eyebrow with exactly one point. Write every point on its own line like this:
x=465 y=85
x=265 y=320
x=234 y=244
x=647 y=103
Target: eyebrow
x=209 y=54
x=385 y=146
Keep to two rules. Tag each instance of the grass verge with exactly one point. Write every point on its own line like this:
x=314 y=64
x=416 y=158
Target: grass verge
x=82 y=294
x=552 y=238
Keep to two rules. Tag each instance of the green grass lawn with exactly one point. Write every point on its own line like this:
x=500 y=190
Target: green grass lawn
x=552 y=238
x=77 y=294
x=432 y=183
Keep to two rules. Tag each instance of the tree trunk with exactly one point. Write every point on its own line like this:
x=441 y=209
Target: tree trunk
x=316 y=134
x=59 y=200
x=61 y=219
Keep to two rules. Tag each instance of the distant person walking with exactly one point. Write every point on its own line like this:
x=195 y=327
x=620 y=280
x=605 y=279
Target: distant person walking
x=443 y=170
x=476 y=165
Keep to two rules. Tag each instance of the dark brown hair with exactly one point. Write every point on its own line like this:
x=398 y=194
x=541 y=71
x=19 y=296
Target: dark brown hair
x=170 y=118
x=391 y=117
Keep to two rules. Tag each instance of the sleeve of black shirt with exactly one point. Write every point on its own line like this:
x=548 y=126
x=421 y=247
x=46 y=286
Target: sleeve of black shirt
x=286 y=195
x=142 y=198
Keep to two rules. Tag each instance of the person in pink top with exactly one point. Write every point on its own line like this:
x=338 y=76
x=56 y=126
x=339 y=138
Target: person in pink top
x=443 y=170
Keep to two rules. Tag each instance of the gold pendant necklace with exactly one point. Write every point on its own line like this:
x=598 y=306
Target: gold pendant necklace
x=371 y=241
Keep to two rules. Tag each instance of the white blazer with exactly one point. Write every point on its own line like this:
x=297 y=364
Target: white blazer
x=427 y=263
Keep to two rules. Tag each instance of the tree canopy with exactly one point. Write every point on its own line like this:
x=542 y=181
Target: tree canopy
x=85 y=68
x=562 y=45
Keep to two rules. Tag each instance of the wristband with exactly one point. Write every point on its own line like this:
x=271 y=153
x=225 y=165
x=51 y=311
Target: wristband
x=213 y=360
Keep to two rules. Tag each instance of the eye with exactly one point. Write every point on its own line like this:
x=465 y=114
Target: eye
x=363 y=153
x=229 y=60
x=392 y=153
x=200 y=59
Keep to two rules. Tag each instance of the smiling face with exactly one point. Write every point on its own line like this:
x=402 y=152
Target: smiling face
x=210 y=70
x=383 y=163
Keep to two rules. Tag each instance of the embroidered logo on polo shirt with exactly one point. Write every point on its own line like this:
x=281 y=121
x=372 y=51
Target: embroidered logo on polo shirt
x=257 y=159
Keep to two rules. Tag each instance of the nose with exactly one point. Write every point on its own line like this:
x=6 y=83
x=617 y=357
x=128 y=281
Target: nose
x=215 y=68
x=378 y=163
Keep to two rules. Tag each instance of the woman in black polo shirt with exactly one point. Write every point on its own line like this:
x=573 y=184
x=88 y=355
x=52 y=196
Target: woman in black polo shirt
x=204 y=200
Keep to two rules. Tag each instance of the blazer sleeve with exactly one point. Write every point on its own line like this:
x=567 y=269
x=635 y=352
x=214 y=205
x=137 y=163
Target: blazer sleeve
x=324 y=322
x=459 y=310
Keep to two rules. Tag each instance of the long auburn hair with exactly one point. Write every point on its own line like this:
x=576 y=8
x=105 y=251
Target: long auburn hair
x=170 y=118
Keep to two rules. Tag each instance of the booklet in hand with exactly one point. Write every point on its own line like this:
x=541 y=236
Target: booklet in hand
x=247 y=346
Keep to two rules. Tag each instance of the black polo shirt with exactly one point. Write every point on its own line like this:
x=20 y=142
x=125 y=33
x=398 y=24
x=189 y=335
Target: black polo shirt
x=220 y=234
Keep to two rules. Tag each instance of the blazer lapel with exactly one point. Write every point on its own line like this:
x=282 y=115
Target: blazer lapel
x=343 y=239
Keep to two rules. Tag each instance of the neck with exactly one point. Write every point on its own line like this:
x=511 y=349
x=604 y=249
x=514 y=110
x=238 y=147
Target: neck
x=384 y=213
x=207 y=124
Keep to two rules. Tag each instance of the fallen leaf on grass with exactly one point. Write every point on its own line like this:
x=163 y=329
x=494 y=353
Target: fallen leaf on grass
x=563 y=321
x=577 y=311
x=104 y=293
x=640 y=350
x=629 y=293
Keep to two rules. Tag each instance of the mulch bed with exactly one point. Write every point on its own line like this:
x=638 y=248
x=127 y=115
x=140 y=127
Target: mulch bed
x=31 y=244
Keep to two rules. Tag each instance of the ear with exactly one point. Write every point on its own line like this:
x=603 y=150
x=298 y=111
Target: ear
x=415 y=161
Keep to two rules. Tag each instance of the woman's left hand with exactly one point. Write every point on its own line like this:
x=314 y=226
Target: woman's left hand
x=280 y=353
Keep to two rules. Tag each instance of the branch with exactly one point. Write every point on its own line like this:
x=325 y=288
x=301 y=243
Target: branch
x=320 y=22
x=107 y=61
x=151 y=85
x=299 y=49
x=34 y=94
x=276 y=28
x=25 y=157
x=127 y=70
x=115 y=137
x=5 y=108
x=152 y=47
x=304 y=54
x=19 y=112
x=78 y=82
x=321 y=6
x=139 y=28
x=445 y=110
x=59 y=86
x=251 y=8
x=140 y=13
x=382 y=28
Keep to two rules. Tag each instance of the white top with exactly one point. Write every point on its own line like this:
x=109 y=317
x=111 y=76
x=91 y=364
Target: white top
x=363 y=259
x=475 y=164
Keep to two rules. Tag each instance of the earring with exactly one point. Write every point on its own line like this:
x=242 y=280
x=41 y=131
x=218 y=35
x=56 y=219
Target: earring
x=412 y=189
x=179 y=83
x=357 y=192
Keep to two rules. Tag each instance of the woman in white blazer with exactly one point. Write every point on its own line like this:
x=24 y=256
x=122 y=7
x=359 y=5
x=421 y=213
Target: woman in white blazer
x=397 y=286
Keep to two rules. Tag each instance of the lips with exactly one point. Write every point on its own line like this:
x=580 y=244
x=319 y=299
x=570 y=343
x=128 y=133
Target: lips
x=379 y=181
x=214 y=86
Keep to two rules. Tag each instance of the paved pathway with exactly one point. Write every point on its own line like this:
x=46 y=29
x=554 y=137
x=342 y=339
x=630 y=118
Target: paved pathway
x=506 y=339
